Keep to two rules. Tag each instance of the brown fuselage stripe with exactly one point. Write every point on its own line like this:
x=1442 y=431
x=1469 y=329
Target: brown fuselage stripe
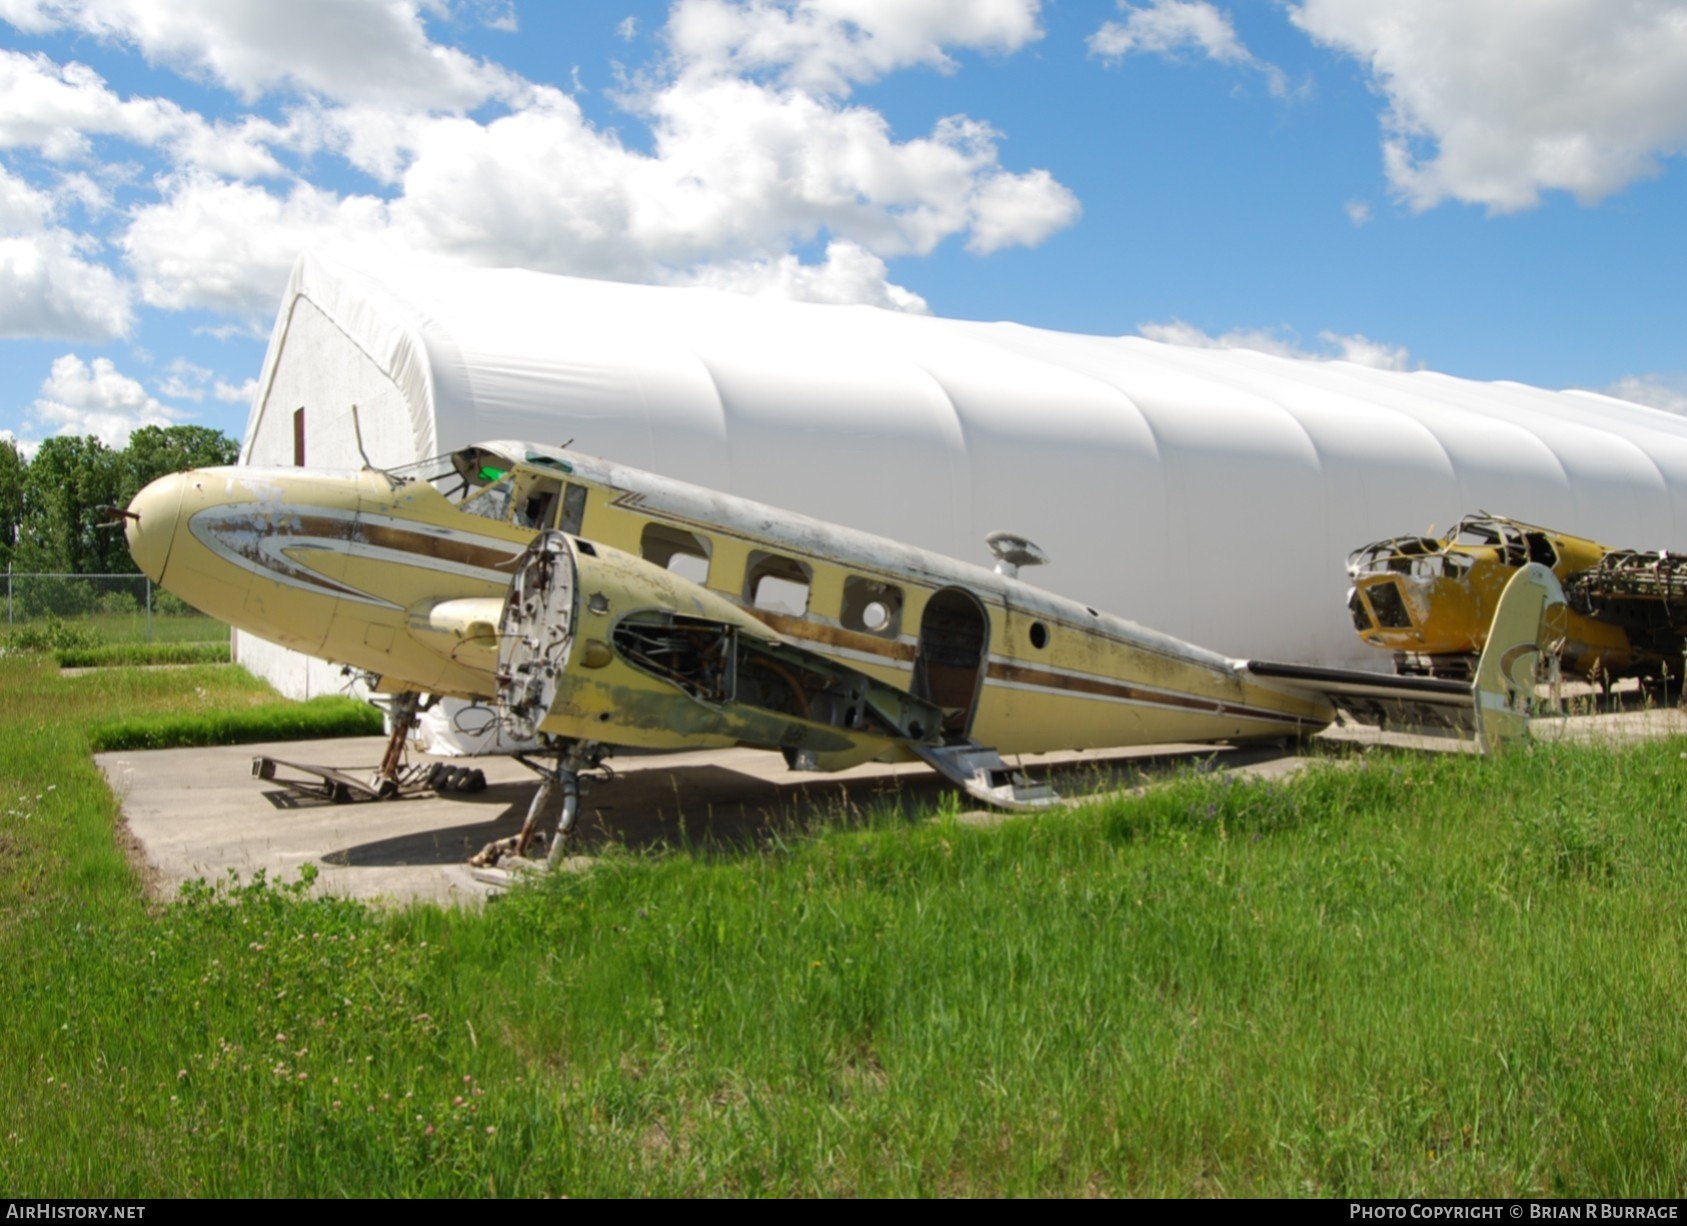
x=239 y=534
x=797 y=628
x=404 y=540
x=1019 y=674
x=445 y=549
x=836 y=636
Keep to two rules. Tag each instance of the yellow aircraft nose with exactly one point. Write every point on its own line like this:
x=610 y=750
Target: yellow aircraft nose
x=151 y=526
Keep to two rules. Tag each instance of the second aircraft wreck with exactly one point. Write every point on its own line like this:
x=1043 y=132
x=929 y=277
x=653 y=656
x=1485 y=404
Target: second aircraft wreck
x=1431 y=600
x=598 y=606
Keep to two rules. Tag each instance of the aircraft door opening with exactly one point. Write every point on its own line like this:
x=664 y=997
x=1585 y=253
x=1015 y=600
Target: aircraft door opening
x=952 y=656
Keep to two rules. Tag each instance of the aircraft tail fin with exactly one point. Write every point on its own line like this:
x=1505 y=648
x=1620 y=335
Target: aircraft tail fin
x=1522 y=645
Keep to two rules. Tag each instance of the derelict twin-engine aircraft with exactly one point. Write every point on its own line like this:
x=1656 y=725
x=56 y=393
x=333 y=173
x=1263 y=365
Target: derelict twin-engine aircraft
x=1430 y=600
x=598 y=606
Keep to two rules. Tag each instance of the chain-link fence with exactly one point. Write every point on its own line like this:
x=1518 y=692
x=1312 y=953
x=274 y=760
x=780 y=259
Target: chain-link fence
x=116 y=608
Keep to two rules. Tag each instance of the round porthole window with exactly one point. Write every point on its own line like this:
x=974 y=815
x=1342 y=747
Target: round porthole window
x=876 y=615
x=1039 y=635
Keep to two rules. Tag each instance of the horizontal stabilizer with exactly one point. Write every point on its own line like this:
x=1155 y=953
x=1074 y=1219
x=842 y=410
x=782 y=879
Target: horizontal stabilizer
x=1401 y=704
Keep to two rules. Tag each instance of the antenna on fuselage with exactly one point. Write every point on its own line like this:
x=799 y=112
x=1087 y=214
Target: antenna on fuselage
x=1013 y=551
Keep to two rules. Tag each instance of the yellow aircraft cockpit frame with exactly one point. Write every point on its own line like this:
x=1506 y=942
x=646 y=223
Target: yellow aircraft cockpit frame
x=1431 y=600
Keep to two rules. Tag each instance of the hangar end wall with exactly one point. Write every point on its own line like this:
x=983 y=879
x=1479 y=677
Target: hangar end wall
x=321 y=371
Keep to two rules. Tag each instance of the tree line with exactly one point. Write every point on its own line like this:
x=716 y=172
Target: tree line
x=53 y=506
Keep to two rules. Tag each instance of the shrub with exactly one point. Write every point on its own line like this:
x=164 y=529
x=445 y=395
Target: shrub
x=116 y=602
x=51 y=633
x=165 y=604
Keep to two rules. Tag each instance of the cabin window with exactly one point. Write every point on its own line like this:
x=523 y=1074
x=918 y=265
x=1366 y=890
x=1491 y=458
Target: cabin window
x=1541 y=550
x=1039 y=635
x=1356 y=607
x=1476 y=535
x=536 y=506
x=681 y=552
x=523 y=499
x=493 y=502
x=573 y=508
x=1389 y=607
x=871 y=607
x=777 y=584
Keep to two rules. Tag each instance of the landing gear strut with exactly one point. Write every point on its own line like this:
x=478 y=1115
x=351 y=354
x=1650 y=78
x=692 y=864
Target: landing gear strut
x=406 y=707
x=566 y=760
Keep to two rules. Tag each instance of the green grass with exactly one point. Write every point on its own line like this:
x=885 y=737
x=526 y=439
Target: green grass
x=113 y=655
x=1395 y=975
x=328 y=715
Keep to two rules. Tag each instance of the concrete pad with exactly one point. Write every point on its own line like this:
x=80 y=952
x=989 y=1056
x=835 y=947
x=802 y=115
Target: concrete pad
x=199 y=812
x=1620 y=727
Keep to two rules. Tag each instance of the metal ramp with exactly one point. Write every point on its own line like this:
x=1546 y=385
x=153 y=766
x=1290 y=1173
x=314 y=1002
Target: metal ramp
x=980 y=772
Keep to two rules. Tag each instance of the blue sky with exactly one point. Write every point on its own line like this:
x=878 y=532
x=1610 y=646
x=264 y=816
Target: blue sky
x=1481 y=187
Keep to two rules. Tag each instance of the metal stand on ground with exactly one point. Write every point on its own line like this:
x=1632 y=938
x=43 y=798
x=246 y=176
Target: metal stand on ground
x=390 y=780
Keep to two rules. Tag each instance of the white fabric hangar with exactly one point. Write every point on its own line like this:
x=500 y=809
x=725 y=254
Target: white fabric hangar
x=1211 y=494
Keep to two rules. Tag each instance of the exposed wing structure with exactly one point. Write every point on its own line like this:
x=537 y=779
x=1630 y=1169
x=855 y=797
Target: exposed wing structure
x=1522 y=650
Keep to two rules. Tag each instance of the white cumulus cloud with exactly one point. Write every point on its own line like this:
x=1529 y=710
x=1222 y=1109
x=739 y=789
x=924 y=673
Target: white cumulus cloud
x=754 y=150
x=49 y=284
x=56 y=108
x=348 y=50
x=1009 y=210
x=27 y=447
x=740 y=173
x=825 y=46
x=1332 y=346
x=1492 y=102
x=235 y=393
x=1665 y=392
x=1172 y=27
x=497 y=15
x=183 y=380
x=80 y=398
x=848 y=275
x=228 y=247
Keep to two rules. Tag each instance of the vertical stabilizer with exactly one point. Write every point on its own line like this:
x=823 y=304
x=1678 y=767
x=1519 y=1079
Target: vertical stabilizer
x=1523 y=640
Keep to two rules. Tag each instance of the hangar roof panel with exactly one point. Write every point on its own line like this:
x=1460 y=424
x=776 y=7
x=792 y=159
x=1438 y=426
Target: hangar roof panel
x=1122 y=456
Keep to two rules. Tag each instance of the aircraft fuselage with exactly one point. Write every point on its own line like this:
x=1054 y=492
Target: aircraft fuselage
x=405 y=575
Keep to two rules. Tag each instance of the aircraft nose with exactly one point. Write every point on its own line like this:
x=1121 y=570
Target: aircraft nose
x=151 y=524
